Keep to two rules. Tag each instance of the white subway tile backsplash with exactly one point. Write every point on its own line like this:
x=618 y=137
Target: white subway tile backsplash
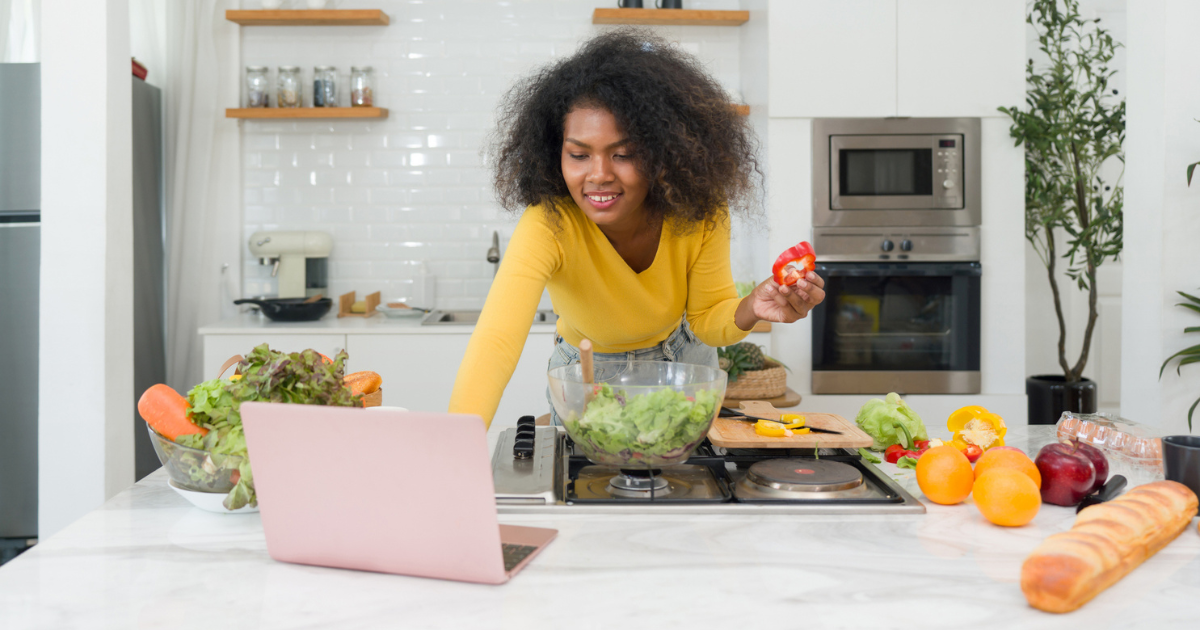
x=413 y=189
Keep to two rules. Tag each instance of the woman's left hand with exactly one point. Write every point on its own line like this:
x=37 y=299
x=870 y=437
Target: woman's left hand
x=785 y=304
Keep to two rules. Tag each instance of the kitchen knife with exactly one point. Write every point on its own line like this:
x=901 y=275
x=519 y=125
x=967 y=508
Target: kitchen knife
x=732 y=414
x=1107 y=492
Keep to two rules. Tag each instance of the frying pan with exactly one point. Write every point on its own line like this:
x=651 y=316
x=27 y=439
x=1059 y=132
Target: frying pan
x=291 y=309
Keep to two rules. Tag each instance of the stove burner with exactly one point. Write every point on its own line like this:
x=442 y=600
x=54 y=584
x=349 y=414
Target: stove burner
x=804 y=475
x=636 y=484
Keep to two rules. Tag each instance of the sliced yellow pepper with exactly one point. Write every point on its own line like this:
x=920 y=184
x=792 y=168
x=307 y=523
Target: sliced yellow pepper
x=978 y=426
x=792 y=419
x=766 y=428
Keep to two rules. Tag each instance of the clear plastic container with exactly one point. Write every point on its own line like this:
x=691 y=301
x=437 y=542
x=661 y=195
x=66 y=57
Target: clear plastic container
x=362 y=86
x=257 y=90
x=1133 y=450
x=652 y=414
x=288 y=87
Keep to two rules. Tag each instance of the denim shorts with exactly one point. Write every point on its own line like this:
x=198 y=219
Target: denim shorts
x=681 y=347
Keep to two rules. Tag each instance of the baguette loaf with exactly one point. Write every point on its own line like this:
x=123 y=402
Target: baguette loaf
x=1107 y=541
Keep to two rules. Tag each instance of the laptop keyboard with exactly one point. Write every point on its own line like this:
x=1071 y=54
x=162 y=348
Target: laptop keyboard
x=514 y=554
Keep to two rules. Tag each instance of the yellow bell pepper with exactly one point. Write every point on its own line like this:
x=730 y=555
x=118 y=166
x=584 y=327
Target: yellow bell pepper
x=978 y=426
x=766 y=428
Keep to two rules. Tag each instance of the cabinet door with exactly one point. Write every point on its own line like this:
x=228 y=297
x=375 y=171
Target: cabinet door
x=832 y=59
x=959 y=58
x=418 y=370
x=218 y=348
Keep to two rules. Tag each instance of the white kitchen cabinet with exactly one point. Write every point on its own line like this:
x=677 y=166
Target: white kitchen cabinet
x=218 y=348
x=419 y=370
x=832 y=59
x=956 y=58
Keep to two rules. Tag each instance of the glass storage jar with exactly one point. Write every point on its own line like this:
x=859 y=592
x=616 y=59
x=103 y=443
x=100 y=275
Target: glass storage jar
x=324 y=86
x=288 y=87
x=362 y=86
x=256 y=86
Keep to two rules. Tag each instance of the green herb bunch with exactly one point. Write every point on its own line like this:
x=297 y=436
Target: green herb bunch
x=1072 y=123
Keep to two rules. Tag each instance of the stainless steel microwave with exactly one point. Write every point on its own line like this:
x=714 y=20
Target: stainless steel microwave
x=896 y=172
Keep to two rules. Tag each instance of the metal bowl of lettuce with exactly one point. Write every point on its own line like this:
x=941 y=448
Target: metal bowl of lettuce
x=638 y=414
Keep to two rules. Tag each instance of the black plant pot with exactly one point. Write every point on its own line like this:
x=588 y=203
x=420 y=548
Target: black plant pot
x=1050 y=395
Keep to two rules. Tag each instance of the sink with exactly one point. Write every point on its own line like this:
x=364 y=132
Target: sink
x=439 y=317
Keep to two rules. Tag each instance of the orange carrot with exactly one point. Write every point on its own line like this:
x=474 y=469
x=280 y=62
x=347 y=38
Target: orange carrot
x=167 y=412
x=364 y=382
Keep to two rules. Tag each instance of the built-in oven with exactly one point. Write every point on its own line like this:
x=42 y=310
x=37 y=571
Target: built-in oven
x=905 y=327
x=896 y=214
x=896 y=171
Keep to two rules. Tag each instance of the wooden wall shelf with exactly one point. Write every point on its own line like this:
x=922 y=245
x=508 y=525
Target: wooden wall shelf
x=306 y=112
x=670 y=17
x=320 y=17
x=742 y=110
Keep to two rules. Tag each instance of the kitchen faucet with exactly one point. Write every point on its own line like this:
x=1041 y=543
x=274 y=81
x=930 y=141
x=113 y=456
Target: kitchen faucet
x=493 y=253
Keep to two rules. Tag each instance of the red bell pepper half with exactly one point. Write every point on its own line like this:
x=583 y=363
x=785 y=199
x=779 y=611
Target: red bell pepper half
x=793 y=263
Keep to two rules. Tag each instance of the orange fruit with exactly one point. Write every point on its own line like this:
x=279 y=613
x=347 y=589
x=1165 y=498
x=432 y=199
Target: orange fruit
x=1008 y=458
x=944 y=475
x=1007 y=497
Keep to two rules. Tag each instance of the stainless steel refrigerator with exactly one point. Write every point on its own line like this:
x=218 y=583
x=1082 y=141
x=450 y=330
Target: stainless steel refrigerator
x=20 y=245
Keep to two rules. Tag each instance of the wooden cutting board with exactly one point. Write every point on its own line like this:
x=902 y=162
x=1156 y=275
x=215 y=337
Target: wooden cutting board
x=734 y=433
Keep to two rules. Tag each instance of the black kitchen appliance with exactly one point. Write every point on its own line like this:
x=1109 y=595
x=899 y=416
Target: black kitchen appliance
x=906 y=327
x=539 y=468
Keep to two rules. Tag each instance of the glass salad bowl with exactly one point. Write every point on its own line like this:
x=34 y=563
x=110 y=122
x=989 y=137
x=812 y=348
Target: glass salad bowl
x=638 y=414
x=194 y=469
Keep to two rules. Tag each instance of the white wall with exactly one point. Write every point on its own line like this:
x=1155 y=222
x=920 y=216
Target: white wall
x=1161 y=229
x=412 y=188
x=1041 y=342
x=85 y=428
x=811 y=77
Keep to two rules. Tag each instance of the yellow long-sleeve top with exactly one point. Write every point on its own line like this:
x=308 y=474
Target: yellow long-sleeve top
x=596 y=295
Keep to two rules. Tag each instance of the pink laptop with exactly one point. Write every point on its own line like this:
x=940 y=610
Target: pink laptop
x=378 y=490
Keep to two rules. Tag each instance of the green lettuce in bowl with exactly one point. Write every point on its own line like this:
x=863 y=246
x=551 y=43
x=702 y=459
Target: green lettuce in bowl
x=641 y=414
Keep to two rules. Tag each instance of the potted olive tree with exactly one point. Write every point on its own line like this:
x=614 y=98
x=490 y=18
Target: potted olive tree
x=1071 y=125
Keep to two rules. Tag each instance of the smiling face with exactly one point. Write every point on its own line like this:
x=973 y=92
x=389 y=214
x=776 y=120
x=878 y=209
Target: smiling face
x=600 y=169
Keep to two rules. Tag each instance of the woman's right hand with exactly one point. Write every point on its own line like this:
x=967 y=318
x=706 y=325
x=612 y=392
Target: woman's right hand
x=773 y=302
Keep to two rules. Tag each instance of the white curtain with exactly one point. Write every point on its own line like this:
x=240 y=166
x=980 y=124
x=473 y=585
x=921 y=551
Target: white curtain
x=20 y=27
x=203 y=166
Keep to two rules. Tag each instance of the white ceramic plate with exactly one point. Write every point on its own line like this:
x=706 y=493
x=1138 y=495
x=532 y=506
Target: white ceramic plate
x=209 y=501
x=399 y=312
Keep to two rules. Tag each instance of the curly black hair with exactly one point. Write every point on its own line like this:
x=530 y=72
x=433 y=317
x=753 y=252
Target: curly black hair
x=695 y=151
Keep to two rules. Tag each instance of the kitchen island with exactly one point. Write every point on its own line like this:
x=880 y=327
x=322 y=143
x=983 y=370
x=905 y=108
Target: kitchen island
x=147 y=559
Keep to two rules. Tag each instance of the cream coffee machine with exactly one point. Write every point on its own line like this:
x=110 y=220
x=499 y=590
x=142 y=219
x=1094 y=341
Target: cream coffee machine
x=299 y=260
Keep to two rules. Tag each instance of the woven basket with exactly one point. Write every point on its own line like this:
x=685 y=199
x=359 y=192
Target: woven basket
x=769 y=382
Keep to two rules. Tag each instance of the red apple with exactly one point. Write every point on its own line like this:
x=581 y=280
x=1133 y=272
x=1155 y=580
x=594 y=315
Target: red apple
x=1067 y=474
x=1098 y=461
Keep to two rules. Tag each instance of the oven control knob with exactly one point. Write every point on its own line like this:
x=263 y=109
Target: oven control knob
x=906 y=245
x=523 y=448
x=948 y=184
x=887 y=245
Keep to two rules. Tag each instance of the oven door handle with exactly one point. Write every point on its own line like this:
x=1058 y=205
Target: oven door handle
x=879 y=270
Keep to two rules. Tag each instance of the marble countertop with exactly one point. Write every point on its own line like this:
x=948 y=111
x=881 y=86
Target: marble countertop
x=252 y=323
x=146 y=559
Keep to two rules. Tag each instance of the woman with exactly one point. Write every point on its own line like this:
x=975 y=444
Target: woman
x=624 y=160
